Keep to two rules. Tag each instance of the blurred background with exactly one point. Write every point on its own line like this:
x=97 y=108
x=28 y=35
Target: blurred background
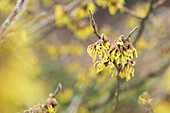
x=46 y=44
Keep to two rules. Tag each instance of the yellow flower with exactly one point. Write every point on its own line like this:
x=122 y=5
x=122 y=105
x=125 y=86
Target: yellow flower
x=91 y=50
x=52 y=51
x=144 y=99
x=50 y=109
x=83 y=11
x=102 y=3
x=130 y=53
x=128 y=70
x=118 y=42
x=83 y=32
x=113 y=5
x=82 y=109
x=109 y=54
x=66 y=95
x=99 y=66
x=98 y=48
x=61 y=16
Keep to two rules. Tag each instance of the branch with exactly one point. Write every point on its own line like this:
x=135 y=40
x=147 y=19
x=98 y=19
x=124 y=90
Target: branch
x=57 y=90
x=50 y=19
x=157 y=4
x=24 y=7
x=134 y=85
x=117 y=93
x=130 y=33
x=132 y=13
x=142 y=24
x=11 y=16
x=51 y=101
x=72 y=5
x=93 y=23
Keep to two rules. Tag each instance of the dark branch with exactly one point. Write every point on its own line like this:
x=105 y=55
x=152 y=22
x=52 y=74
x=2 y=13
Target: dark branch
x=130 y=33
x=93 y=23
x=142 y=24
x=117 y=93
x=57 y=90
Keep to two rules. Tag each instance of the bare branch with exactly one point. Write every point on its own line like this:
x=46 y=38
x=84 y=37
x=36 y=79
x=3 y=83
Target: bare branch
x=24 y=7
x=57 y=90
x=130 y=33
x=132 y=13
x=11 y=16
x=93 y=23
x=50 y=19
x=117 y=93
x=72 y=5
x=142 y=24
x=157 y=4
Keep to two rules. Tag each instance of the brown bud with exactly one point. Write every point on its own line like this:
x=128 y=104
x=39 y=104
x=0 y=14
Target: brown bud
x=48 y=103
x=124 y=48
x=112 y=47
x=100 y=41
x=54 y=102
x=39 y=110
x=105 y=38
x=122 y=37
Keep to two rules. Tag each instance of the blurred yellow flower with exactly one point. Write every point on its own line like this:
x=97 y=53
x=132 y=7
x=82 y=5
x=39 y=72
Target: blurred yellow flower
x=145 y=99
x=66 y=95
x=52 y=51
x=162 y=107
x=113 y=5
x=83 y=32
x=50 y=109
x=83 y=11
x=82 y=109
x=61 y=16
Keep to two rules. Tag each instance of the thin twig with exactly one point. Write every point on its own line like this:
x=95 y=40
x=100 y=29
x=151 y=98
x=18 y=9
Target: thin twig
x=93 y=23
x=132 y=13
x=117 y=93
x=116 y=65
x=72 y=5
x=50 y=19
x=130 y=33
x=11 y=16
x=57 y=90
x=157 y=4
x=34 y=20
x=24 y=7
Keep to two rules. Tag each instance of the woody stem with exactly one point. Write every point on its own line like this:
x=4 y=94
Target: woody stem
x=117 y=93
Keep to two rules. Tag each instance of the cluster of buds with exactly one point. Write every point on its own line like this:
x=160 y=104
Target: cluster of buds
x=118 y=56
x=49 y=107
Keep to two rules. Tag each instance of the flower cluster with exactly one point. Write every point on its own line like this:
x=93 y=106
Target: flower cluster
x=49 y=107
x=146 y=100
x=117 y=56
x=113 y=5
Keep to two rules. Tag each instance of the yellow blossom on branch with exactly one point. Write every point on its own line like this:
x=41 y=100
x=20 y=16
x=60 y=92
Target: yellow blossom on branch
x=118 y=57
